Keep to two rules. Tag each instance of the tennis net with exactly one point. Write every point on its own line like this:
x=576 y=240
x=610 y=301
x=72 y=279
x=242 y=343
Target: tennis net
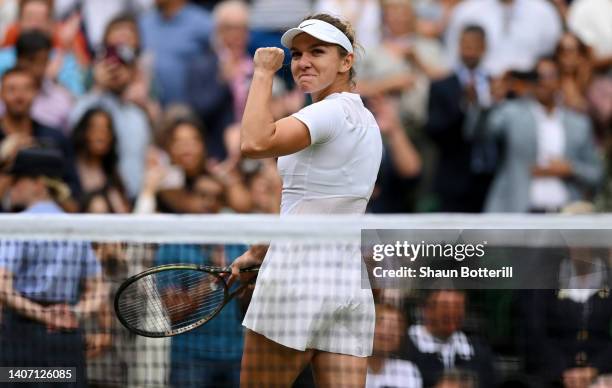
x=53 y=311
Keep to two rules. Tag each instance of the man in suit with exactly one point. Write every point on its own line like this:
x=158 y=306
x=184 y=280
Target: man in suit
x=438 y=345
x=456 y=108
x=550 y=157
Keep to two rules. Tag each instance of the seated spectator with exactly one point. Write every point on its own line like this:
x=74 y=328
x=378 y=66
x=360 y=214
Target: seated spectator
x=18 y=130
x=219 y=79
x=575 y=70
x=511 y=27
x=113 y=74
x=95 y=145
x=53 y=102
x=175 y=32
x=568 y=336
x=204 y=186
x=122 y=31
x=438 y=344
x=549 y=157
x=63 y=66
x=457 y=108
x=385 y=369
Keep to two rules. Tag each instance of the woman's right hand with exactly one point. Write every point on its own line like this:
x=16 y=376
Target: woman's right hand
x=269 y=59
x=248 y=259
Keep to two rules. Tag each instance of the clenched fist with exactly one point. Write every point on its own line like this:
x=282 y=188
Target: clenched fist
x=269 y=59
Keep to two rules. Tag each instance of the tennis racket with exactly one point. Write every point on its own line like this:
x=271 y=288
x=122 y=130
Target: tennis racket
x=172 y=299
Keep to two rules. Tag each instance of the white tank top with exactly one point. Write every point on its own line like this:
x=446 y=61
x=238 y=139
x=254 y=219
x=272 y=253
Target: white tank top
x=337 y=172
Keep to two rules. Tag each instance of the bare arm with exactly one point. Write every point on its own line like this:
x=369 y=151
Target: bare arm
x=11 y=298
x=260 y=135
x=95 y=294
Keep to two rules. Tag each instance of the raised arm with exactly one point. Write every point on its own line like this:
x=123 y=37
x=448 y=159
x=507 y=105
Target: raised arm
x=260 y=135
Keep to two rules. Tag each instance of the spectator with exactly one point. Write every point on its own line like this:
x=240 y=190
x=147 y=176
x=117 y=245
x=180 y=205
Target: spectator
x=113 y=73
x=402 y=64
x=458 y=105
x=574 y=62
x=98 y=14
x=385 y=369
x=53 y=102
x=549 y=156
x=122 y=31
x=18 y=130
x=364 y=16
x=176 y=32
x=219 y=79
x=568 y=336
x=400 y=164
x=63 y=66
x=518 y=31
x=205 y=188
x=438 y=344
x=95 y=145
x=45 y=287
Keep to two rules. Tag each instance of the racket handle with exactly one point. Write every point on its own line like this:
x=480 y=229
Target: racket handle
x=253 y=268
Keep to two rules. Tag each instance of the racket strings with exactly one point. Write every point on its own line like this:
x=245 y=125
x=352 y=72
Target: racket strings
x=170 y=300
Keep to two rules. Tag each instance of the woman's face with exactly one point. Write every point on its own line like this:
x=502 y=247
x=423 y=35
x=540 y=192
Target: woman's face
x=99 y=135
x=315 y=65
x=186 y=149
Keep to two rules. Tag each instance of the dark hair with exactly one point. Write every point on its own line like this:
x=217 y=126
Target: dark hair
x=32 y=42
x=17 y=70
x=344 y=27
x=79 y=143
x=121 y=19
x=476 y=29
x=170 y=130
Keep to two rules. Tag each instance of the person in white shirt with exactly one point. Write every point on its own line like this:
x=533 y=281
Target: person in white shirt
x=518 y=31
x=309 y=305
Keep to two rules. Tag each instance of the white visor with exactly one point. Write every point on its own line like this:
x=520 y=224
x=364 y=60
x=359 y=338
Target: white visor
x=320 y=30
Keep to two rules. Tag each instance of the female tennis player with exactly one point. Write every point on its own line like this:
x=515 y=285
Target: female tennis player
x=308 y=305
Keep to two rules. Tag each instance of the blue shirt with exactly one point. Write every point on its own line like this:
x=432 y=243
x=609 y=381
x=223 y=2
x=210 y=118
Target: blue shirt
x=70 y=75
x=175 y=42
x=49 y=271
x=219 y=339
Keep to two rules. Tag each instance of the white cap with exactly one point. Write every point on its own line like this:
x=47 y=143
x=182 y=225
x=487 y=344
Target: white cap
x=320 y=30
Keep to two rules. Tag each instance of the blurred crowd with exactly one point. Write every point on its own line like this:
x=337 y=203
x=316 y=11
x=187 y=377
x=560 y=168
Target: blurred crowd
x=483 y=106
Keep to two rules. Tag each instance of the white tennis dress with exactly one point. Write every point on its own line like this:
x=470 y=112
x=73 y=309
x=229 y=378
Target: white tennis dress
x=310 y=296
